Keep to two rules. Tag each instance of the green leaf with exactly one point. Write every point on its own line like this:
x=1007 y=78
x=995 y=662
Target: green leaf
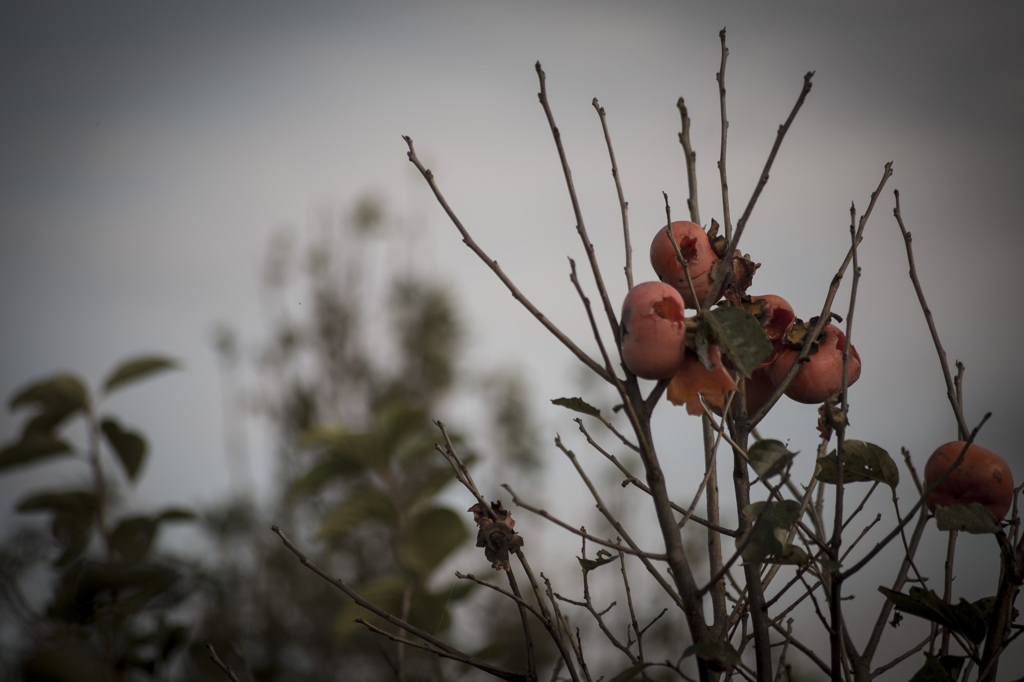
x=964 y=617
x=769 y=457
x=436 y=533
x=630 y=673
x=742 y=339
x=361 y=506
x=721 y=653
x=133 y=537
x=135 y=369
x=34 y=446
x=356 y=449
x=939 y=669
x=577 y=405
x=971 y=518
x=75 y=501
x=129 y=446
x=74 y=512
x=603 y=557
x=56 y=398
x=772 y=521
x=175 y=514
x=862 y=462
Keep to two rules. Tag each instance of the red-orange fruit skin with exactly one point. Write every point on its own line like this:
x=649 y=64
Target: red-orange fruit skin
x=653 y=330
x=822 y=374
x=982 y=477
x=696 y=249
x=779 y=321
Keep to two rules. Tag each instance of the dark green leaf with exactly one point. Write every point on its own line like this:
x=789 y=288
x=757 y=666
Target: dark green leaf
x=174 y=514
x=74 y=501
x=578 y=405
x=361 y=506
x=721 y=653
x=630 y=673
x=939 y=669
x=769 y=457
x=56 y=398
x=129 y=446
x=603 y=557
x=133 y=537
x=701 y=345
x=357 y=449
x=742 y=339
x=772 y=521
x=964 y=617
x=971 y=518
x=436 y=533
x=34 y=446
x=862 y=462
x=135 y=369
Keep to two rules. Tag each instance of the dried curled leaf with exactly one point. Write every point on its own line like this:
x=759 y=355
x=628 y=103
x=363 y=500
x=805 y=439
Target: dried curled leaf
x=693 y=380
x=496 y=534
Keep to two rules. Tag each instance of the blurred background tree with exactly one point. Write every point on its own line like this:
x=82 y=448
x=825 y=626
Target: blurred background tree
x=360 y=356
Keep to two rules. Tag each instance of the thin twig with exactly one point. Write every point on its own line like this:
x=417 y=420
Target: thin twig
x=951 y=391
x=224 y=667
x=691 y=161
x=720 y=77
x=719 y=280
x=437 y=646
x=623 y=204
x=468 y=240
x=581 y=229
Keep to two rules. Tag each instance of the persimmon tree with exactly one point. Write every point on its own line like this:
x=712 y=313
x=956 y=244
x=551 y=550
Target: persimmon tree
x=790 y=545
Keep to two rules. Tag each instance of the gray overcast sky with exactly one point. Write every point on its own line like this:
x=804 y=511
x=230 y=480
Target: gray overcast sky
x=147 y=151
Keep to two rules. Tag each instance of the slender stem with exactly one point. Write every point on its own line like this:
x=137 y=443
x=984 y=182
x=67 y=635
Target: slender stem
x=720 y=77
x=468 y=240
x=691 y=162
x=623 y=204
x=951 y=391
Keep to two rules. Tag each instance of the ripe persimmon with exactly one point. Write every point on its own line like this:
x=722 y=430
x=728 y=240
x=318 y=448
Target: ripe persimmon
x=653 y=330
x=822 y=373
x=982 y=477
x=695 y=247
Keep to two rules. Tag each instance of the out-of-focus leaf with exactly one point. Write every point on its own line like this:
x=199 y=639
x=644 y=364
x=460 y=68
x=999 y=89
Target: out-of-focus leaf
x=772 y=521
x=137 y=368
x=75 y=501
x=963 y=617
x=721 y=653
x=862 y=462
x=741 y=337
x=175 y=514
x=769 y=457
x=362 y=505
x=630 y=673
x=329 y=469
x=56 y=398
x=357 y=449
x=34 y=446
x=436 y=533
x=603 y=557
x=971 y=518
x=129 y=446
x=939 y=669
x=577 y=405
x=133 y=537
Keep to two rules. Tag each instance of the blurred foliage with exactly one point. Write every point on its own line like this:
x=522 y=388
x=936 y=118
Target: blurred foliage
x=360 y=353
x=111 y=608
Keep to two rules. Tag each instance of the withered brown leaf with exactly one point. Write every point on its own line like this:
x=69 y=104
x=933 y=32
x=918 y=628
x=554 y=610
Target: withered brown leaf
x=496 y=534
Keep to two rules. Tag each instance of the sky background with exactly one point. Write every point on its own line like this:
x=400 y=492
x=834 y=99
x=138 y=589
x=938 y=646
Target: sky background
x=149 y=151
